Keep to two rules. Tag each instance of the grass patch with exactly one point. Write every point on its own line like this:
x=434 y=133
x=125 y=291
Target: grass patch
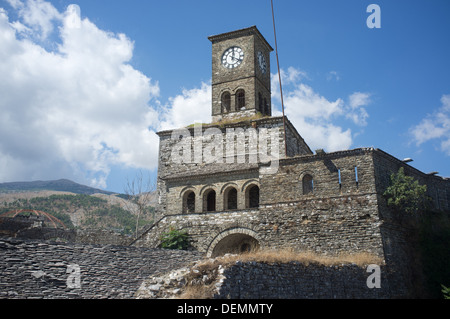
x=224 y=122
x=306 y=257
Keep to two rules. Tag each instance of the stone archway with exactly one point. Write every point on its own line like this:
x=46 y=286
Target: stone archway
x=233 y=241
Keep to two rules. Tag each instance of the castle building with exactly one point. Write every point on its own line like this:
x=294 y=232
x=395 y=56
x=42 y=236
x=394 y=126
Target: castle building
x=248 y=179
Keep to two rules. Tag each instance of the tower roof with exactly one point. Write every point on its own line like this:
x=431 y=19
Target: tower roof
x=253 y=30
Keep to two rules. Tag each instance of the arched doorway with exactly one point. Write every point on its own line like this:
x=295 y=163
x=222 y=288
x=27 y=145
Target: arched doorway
x=234 y=241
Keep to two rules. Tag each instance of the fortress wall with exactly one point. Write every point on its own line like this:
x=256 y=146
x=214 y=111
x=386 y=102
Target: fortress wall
x=33 y=269
x=286 y=184
x=335 y=217
x=329 y=226
x=438 y=188
x=251 y=280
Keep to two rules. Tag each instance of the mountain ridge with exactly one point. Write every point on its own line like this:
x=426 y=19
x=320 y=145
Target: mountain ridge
x=62 y=185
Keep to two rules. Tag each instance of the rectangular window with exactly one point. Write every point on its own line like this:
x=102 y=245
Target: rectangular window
x=339 y=176
x=356 y=175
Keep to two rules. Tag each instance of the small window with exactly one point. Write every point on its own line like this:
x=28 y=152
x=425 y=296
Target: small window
x=266 y=107
x=226 y=102
x=308 y=184
x=240 y=99
x=339 y=176
x=356 y=175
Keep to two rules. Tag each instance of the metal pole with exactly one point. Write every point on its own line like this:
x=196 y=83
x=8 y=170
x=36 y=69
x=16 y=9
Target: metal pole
x=279 y=79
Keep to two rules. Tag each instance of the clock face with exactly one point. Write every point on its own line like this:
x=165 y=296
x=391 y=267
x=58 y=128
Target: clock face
x=232 y=57
x=262 y=62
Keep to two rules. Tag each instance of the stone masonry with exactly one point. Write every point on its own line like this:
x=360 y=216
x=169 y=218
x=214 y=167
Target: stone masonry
x=37 y=269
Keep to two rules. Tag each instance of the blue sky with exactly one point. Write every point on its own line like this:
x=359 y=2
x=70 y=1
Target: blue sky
x=86 y=84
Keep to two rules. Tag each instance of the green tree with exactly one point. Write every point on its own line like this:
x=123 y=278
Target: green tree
x=405 y=194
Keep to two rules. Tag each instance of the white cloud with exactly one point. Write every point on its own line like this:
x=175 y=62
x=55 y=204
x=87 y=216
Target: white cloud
x=435 y=126
x=192 y=106
x=333 y=75
x=79 y=109
x=38 y=15
x=314 y=115
x=358 y=99
x=356 y=110
x=75 y=111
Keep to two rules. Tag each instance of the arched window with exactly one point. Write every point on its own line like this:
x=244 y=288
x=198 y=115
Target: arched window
x=252 y=196
x=189 y=202
x=307 y=184
x=240 y=99
x=230 y=198
x=226 y=102
x=209 y=201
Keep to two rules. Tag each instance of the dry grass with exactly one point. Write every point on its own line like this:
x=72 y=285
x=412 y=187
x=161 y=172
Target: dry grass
x=306 y=257
x=197 y=292
x=224 y=122
x=256 y=116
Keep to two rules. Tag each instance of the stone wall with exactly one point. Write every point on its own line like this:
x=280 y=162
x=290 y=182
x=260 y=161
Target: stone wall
x=252 y=280
x=333 y=225
x=273 y=280
x=335 y=217
x=183 y=161
x=33 y=269
x=438 y=188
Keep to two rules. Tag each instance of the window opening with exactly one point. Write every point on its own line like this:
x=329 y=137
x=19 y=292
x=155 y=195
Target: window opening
x=253 y=196
x=231 y=199
x=240 y=99
x=340 y=182
x=189 y=203
x=308 y=184
x=226 y=102
x=211 y=201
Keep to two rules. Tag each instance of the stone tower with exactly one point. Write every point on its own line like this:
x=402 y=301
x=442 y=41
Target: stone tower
x=240 y=74
x=195 y=161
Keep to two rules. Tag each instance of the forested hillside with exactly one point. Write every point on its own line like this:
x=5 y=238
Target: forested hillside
x=83 y=211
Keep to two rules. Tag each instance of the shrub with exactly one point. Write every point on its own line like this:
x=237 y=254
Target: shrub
x=175 y=239
x=446 y=292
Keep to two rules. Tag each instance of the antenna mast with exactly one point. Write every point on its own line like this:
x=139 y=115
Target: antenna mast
x=279 y=79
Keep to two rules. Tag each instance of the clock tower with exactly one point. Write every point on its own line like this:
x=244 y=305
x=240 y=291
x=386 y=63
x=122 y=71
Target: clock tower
x=240 y=74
